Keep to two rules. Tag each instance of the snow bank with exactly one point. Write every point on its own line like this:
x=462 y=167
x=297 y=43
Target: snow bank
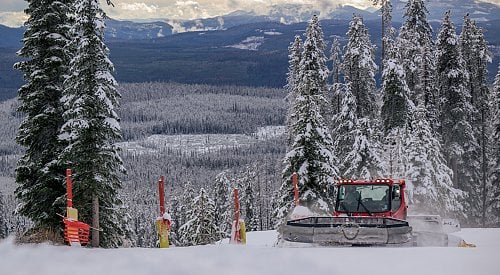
x=258 y=257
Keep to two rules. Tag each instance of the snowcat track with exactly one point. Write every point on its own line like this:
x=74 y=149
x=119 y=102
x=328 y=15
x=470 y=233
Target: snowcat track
x=348 y=231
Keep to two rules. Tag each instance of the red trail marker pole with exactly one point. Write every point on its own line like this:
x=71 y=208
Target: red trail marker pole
x=69 y=187
x=295 y=188
x=161 y=189
x=236 y=216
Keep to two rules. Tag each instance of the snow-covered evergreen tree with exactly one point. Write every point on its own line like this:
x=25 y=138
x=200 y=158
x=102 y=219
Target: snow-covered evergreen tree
x=175 y=213
x=396 y=108
x=364 y=160
x=428 y=176
x=310 y=154
x=181 y=205
x=294 y=57
x=494 y=203
x=415 y=37
x=476 y=57
x=344 y=122
x=3 y=221
x=336 y=59
x=386 y=12
x=92 y=125
x=396 y=104
x=358 y=153
x=223 y=203
x=249 y=203
x=44 y=67
x=429 y=95
x=459 y=141
x=201 y=227
x=359 y=68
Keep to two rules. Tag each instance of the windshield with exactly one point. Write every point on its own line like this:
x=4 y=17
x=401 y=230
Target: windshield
x=363 y=198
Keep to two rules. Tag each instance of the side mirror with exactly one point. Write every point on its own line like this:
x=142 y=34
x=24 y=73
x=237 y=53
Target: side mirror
x=396 y=191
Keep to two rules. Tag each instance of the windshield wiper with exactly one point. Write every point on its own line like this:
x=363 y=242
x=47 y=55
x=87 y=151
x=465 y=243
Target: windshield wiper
x=364 y=206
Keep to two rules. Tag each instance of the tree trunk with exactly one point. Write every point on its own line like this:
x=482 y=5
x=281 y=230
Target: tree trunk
x=95 y=222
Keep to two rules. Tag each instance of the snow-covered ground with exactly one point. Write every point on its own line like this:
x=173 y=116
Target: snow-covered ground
x=203 y=143
x=259 y=257
x=251 y=43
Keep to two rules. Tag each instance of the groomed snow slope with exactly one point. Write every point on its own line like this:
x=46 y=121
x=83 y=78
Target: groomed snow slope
x=258 y=257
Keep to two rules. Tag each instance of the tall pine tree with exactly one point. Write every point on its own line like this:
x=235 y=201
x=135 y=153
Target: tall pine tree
x=427 y=173
x=310 y=154
x=476 y=57
x=359 y=68
x=396 y=104
x=200 y=227
x=494 y=204
x=396 y=108
x=459 y=141
x=250 y=205
x=386 y=12
x=92 y=125
x=415 y=40
x=354 y=127
x=3 y=220
x=223 y=203
x=45 y=67
x=336 y=87
x=294 y=57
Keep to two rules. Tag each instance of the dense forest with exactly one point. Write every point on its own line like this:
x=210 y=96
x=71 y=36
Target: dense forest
x=167 y=109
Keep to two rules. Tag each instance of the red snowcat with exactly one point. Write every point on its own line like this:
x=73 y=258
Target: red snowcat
x=367 y=212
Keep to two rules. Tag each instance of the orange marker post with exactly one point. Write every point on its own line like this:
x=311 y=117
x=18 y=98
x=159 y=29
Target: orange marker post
x=69 y=187
x=75 y=232
x=162 y=224
x=161 y=189
x=295 y=188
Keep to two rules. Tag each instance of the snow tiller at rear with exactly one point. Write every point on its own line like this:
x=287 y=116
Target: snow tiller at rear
x=366 y=213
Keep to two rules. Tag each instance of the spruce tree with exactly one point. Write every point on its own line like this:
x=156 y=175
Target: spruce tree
x=429 y=95
x=223 y=203
x=294 y=57
x=459 y=141
x=415 y=36
x=92 y=125
x=345 y=121
x=201 y=227
x=364 y=160
x=336 y=59
x=3 y=221
x=181 y=204
x=494 y=191
x=396 y=108
x=476 y=57
x=45 y=62
x=175 y=213
x=359 y=68
x=310 y=154
x=386 y=12
x=355 y=133
x=249 y=204
x=396 y=104
x=427 y=173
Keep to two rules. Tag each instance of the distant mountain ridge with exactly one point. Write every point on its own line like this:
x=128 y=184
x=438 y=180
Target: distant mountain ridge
x=253 y=53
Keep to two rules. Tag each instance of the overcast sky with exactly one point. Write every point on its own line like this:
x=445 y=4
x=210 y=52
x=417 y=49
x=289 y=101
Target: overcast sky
x=11 y=10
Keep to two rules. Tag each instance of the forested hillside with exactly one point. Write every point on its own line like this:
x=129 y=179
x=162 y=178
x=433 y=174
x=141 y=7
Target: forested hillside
x=228 y=116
